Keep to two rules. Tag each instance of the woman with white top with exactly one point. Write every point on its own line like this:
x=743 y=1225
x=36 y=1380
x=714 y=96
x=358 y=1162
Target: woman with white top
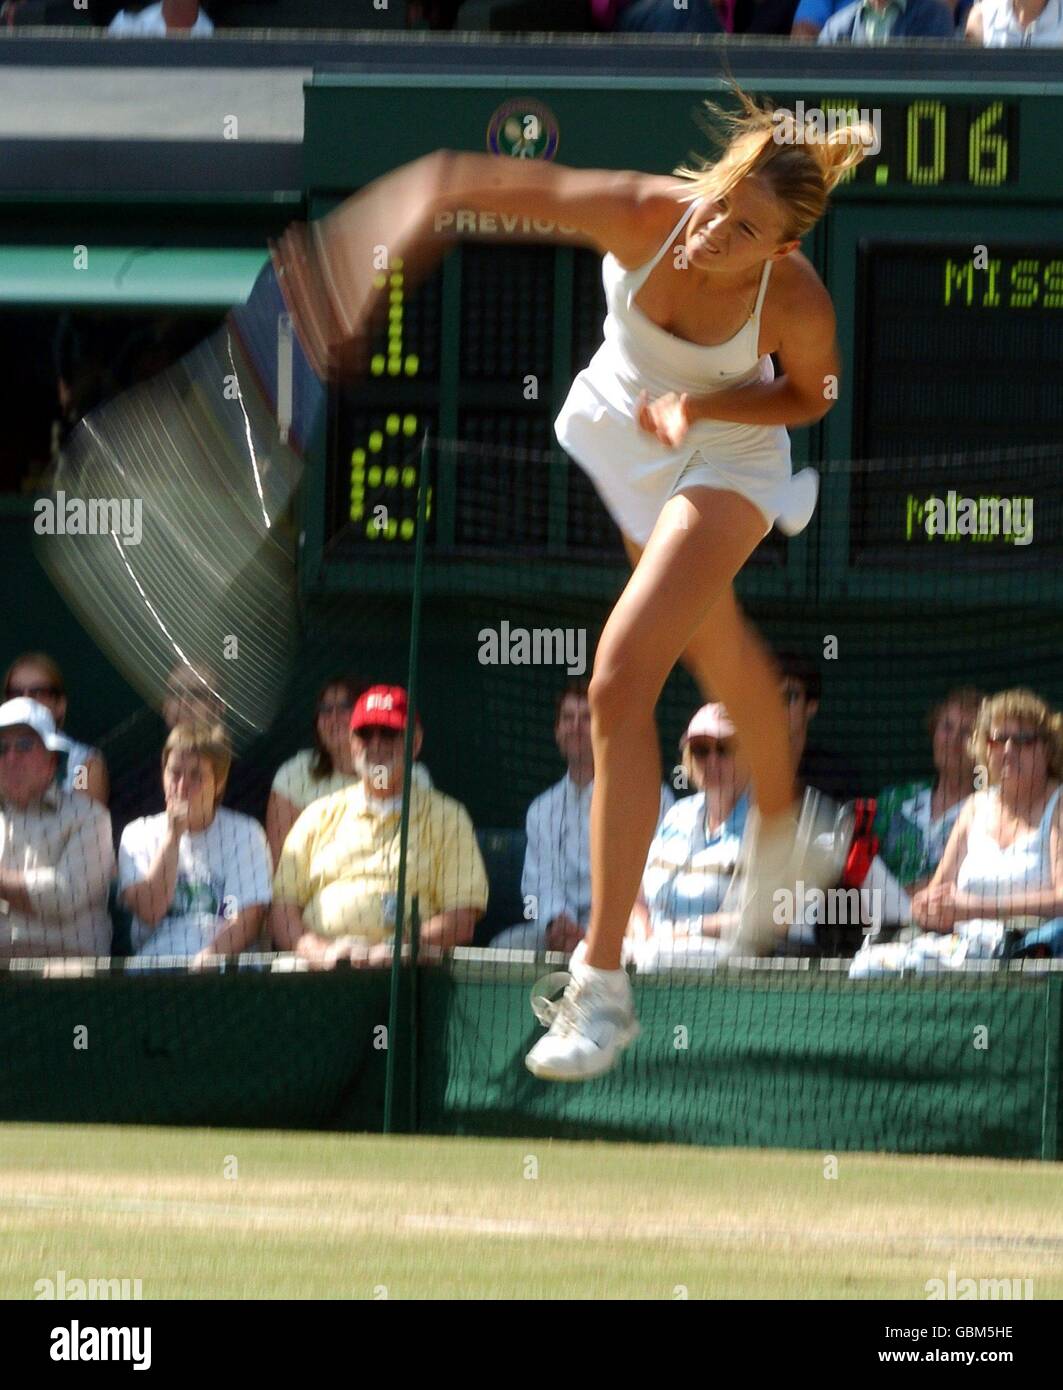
x=682 y=425
x=1003 y=864
x=162 y=19
x=1015 y=24
x=913 y=820
x=680 y=917
x=197 y=878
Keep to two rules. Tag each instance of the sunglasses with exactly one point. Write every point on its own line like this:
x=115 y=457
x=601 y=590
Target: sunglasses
x=31 y=692
x=335 y=707
x=702 y=747
x=1019 y=740
x=21 y=743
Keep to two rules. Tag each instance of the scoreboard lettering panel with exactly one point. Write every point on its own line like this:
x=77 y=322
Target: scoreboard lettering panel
x=952 y=333
x=959 y=396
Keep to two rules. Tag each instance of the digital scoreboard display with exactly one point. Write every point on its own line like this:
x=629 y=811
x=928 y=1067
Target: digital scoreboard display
x=927 y=143
x=958 y=405
x=499 y=355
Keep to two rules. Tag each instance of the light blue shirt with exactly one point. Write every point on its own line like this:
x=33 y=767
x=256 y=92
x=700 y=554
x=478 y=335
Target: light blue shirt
x=689 y=868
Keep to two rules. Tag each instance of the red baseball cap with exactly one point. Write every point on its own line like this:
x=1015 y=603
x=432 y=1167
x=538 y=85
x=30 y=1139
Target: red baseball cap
x=381 y=707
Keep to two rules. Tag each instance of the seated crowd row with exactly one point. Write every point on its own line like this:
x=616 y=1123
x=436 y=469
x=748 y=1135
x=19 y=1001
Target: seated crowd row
x=962 y=865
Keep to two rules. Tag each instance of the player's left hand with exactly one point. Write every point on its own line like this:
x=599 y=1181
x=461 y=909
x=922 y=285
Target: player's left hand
x=668 y=417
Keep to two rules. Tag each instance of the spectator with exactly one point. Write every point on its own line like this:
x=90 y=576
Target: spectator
x=879 y=21
x=197 y=877
x=335 y=889
x=1003 y=864
x=913 y=821
x=556 y=882
x=811 y=15
x=802 y=687
x=163 y=18
x=1015 y=23
x=327 y=767
x=680 y=914
x=35 y=676
x=56 y=857
x=827 y=781
x=192 y=696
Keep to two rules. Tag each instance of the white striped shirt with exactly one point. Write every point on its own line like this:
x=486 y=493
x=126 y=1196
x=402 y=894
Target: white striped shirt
x=1001 y=28
x=61 y=846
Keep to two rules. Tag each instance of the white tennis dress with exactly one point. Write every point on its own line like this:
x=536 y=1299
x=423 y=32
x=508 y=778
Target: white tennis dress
x=635 y=473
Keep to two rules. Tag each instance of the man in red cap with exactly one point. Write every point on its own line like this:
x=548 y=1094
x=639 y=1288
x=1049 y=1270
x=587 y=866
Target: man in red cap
x=334 y=892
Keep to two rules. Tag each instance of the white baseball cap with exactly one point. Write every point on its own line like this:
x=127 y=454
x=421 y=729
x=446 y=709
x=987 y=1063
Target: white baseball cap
x=28 y=713
x=711 y=721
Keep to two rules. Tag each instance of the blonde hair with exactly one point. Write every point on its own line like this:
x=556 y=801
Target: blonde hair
x=1026 y=708
x=209 y=741
x=800 y=165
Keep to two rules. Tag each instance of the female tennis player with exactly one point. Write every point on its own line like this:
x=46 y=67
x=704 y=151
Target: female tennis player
x=681 y=423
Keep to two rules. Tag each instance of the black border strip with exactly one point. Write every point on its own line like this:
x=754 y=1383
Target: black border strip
x=643 y=55
x=151 y=166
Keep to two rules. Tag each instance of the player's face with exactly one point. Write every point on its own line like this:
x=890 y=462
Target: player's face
x=189 y=777
x=26 y=766
x=737 y=231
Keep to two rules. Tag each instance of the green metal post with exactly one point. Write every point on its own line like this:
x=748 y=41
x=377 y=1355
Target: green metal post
x=407 y=773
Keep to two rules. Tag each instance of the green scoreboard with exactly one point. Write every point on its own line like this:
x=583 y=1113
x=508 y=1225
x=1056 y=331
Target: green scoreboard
x=942 y=463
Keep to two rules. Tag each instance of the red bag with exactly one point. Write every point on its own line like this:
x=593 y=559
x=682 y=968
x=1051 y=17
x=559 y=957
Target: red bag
x=864 y=844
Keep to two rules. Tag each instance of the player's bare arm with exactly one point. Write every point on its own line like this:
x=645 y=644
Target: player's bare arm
x=332 y=272
x=807 y=350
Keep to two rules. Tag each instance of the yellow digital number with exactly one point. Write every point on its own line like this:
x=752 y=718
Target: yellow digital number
x=984 y=143
x=919 y=111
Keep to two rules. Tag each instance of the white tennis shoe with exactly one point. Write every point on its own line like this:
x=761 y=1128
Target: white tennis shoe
x=590 y=1025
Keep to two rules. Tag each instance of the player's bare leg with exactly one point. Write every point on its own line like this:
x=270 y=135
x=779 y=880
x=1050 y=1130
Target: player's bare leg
x=729 y=658
x=700 y=542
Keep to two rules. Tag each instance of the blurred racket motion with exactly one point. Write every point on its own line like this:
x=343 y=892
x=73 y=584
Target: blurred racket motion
x=211 y=450
x=207 y=456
